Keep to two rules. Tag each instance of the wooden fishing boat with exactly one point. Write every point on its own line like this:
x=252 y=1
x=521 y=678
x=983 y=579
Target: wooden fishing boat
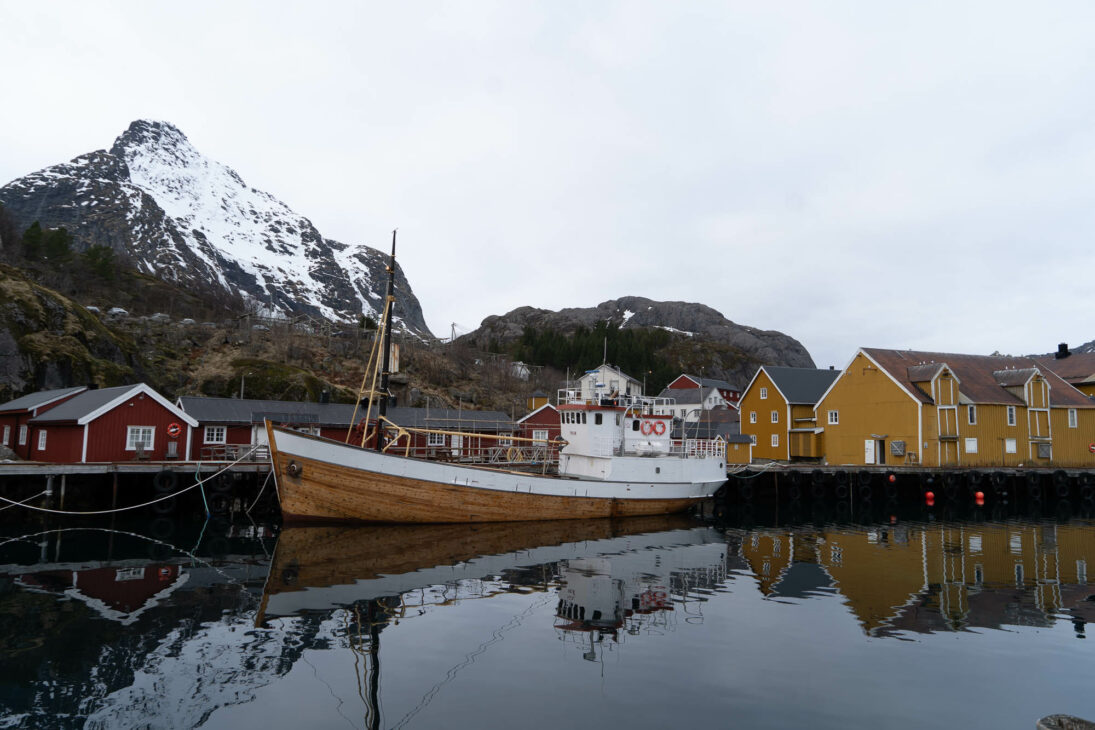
x=616 y=460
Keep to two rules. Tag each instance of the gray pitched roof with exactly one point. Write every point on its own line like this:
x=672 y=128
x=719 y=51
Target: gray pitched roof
x=686 y=396
x=32 y=401
x=713 y=383
x=235 y=410
x=1012 y=378
x=801 y=385
x=451 y=419
x=83 y=404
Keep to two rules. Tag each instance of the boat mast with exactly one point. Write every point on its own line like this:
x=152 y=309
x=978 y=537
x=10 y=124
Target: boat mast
x=387 y=355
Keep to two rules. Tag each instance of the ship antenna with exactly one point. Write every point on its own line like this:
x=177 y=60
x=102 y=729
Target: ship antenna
x=387 y=354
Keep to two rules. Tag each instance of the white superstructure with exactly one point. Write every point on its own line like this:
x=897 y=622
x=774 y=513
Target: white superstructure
x=627 y=438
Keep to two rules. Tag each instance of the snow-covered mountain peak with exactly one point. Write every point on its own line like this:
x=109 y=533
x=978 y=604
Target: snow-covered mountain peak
x=156 y=198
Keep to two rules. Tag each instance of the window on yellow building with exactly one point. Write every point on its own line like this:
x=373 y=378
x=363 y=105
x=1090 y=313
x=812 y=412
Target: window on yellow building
x=971 y=446
x=1072 y=418
x=775 y=416
x=753 y=439
x=1010 y=446
x=834 y=418
x=775 y=439
x=972 y=415
x=752 y=416
x=1011 y=415
x=764 y=394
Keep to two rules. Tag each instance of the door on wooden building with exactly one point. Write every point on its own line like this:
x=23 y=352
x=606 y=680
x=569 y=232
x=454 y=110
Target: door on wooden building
x=948 y=453
x=457 y=444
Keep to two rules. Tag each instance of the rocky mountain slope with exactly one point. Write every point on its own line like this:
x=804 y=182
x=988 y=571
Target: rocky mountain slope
x=703 y=337
x=155 y=199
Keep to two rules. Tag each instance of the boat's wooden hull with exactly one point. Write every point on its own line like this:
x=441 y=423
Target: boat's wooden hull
x=316 y=490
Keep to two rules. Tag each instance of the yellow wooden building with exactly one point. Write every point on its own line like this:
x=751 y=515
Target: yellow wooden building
x=947 y=409
x=777 y=412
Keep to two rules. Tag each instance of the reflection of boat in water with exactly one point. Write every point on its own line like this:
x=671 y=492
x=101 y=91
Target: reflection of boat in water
x=320 y=568
x=618 y=460
x=369 y=571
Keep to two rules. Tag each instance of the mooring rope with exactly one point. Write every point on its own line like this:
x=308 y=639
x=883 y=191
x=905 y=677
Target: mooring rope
x=195 y=485
x=261 y=490
x=16 y=504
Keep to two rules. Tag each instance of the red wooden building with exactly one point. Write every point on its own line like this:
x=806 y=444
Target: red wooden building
x=111 y=424
x=15 y=416
x=730 y=393
x=226 y=425
x=542 y=423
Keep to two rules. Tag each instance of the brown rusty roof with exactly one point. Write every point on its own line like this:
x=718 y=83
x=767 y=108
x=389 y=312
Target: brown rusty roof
x=1079 y=367
x=980 y=376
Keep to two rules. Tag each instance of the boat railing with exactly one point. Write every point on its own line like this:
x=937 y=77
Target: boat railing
x=648 y=405
x=233 y=452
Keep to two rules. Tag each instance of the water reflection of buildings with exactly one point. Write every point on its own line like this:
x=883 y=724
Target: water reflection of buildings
x=933 y=577
x=114 y=637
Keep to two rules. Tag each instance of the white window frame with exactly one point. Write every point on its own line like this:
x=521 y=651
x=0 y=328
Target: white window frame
x=1011 y=415
x=764 y=394
x=42 y=440
x=775 y=440
x=540 y=434
x=834 y=418
x=23 y=435
x=753 y=439
x=971 y=415
x=971 y=445
x=7 y=435
x=1011 y=446
x=435 y=439
x=775 y=416
x=752 y=416
x=131 y=432
x=1073 y=421
x=211 y=439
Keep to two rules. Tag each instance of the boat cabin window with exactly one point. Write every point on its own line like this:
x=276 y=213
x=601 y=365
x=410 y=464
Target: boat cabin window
x=597 y=419
x=635 y=425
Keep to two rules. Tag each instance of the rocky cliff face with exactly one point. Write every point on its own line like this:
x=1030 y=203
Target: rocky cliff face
x=47 y=341
x=726 y=350
x=155 y=199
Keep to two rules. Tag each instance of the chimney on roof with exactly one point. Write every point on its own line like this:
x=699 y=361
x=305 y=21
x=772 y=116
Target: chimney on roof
x=325 y=396
x=831 y=367
x=1062 y=351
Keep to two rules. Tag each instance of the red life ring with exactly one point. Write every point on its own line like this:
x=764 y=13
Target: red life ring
x=659 y=427
x=173 y=429
x=647 y=428
x=1091 y=448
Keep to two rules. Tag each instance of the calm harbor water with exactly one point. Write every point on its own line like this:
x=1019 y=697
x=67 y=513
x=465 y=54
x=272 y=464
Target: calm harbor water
x=907 y=622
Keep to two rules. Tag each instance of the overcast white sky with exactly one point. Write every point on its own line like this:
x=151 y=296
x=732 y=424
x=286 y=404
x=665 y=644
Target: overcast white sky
x=913 y=175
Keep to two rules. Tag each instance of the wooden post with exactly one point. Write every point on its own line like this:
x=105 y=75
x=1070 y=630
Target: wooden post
x=63 y=491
